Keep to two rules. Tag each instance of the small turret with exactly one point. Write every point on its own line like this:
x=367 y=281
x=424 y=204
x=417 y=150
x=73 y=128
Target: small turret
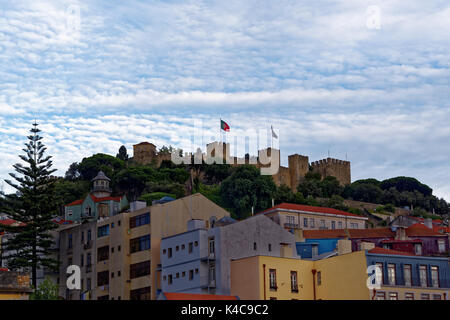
x=100 y=186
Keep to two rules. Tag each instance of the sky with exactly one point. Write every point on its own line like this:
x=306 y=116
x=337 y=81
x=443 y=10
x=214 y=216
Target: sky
x=367 y=81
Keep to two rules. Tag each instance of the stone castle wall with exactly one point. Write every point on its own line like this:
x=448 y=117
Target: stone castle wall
x=298 y=165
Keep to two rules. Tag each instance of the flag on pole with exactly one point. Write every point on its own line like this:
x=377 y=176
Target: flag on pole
x=274 y=135
x=224 y=126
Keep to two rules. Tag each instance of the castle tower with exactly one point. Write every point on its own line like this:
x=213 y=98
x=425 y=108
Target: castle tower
x=100 y=186
x=298 y=167
x=144 y=152
x=333 y=167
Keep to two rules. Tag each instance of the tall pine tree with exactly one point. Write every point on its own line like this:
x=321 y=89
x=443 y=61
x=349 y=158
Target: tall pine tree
x=34 y=206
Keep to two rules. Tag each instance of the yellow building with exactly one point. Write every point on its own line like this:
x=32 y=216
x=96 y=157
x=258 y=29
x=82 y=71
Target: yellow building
x=342 y=277
x=272 y=278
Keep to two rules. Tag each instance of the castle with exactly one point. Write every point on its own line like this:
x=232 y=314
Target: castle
x=298 y=165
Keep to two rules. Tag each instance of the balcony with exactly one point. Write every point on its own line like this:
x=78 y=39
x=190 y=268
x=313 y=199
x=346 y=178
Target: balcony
x=87 y=245
x=291 y=225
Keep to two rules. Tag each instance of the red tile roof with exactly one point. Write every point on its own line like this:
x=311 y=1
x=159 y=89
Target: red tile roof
x=371 y=233
x=117 y=199
x=419 y=229
x=196 y=296
x=378 y=250
x=95 y=199
x=302 y=207
x=75 y=203
x=441 y=229
x=9 y=222
x=402 y=241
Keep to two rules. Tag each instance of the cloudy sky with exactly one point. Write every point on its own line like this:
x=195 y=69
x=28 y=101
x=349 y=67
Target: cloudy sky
x=364 y=80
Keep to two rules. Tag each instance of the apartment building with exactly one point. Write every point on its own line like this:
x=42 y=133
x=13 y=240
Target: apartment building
x=297 y=216
x=198 y=261
x=124 y=252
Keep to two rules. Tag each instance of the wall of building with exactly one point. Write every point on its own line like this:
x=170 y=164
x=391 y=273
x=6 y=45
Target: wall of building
x=171 y=218
x=250 y=278
x=343 y=277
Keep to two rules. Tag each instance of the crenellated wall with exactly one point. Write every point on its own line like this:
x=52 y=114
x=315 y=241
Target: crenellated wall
x=333 y=167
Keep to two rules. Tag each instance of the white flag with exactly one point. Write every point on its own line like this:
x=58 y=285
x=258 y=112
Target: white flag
x=273 y=133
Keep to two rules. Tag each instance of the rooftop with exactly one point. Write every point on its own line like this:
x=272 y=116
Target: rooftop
x=377 y=250
x=306 y=208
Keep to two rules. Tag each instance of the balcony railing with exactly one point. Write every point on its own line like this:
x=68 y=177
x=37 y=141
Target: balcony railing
x=87 y=245
x=291 y=225
x=101 y=188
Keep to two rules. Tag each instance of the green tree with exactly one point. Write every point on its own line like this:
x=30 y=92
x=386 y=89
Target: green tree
x=47 y=290
x=72 y=173
x=90 y=166
x=35 y=210
x=246 y=188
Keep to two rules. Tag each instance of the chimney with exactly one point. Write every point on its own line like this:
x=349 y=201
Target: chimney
x=344 y=246
x=367 y=246
x=400 y=233
x=429 y=223
x=286 y=250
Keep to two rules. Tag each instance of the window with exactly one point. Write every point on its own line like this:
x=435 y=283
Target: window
x=112 y=275
x=290 y=220
x=103 y=253
x=305 y=222
x=254 y=245
x=103 y=231
x=177 y=275
x=434 y=276
x=118 y=273
x=139 y=220
x=196 y=243
x=190 y=247
x=425 y=296
x=423 y=276
x=315 y=250
x=191 y=274
x=437 y=297
x=177 y=248
x=312 y=223
x=183 y=247
x=82 y=260
x=322 y=223
x=82 y=236
x=340 y=224
x=69 y=241
x=212 y=248
x=441 y=245
x=183 y=274
x=196 y=271
x=319 y=278
x=118 y=223
x=273 y=279
x=380 y=265
x=112 y=225
x=294 y=284
x=89 y=235
x=409 y=296
x=140 y=294
x=391 y=274
x=139 y=269
x=418 y=249
x=393 y=296
x=169 y=253
x=88 y=259
x=212 y=273
x=69 y=213
x=88 y=284
x=407 y=274
x=140 y=243
x=102 y=278
x=118 y=248
x=333 y=224
x=169 y=279
x=112 y=249
x=69 y=261
x=380 y=295
x=270 y=247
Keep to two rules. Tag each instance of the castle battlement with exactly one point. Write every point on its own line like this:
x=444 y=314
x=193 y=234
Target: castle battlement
x=298 y=165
